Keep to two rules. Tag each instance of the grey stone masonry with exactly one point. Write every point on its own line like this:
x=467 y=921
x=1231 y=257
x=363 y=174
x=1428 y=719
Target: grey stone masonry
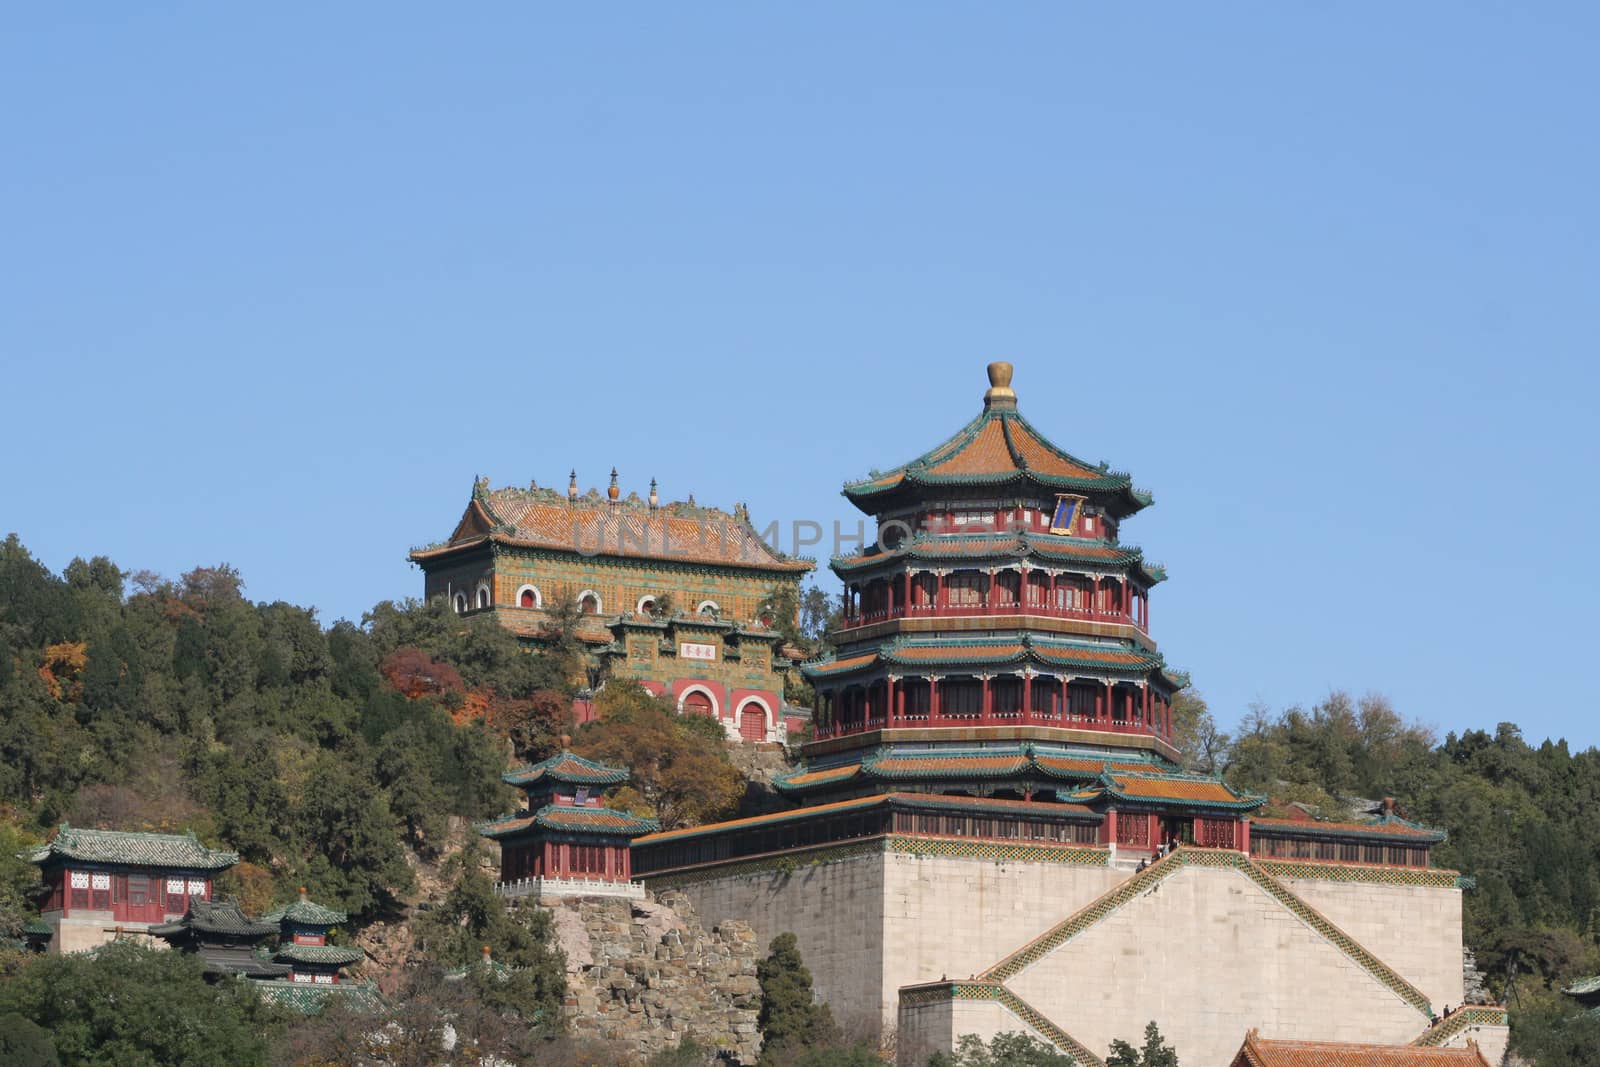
x=647 y=974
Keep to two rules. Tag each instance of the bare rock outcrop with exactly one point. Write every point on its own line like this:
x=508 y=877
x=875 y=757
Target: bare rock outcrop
x=646 y=975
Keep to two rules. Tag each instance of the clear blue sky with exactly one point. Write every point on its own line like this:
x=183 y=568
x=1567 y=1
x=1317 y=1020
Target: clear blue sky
x=278 y=283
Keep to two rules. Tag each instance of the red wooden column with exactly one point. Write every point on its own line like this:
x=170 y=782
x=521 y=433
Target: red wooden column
x=1027 y=693
x=1144 y=706
x=888 y=703
x=933 y=693
x=939 y=592
x=905 y=605
x=988 y=702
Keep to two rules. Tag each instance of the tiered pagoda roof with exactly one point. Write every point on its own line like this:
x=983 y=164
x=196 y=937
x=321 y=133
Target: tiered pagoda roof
x=223 y=936
x=556 y=778
x=571 y=819
x=303 y=912
x=998 y=450
x=973 y=548
x=627 y=527
x=566 y=769
x=175 y=851
x=984 y=651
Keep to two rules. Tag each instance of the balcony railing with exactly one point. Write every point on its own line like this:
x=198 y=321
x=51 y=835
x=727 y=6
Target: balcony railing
x=922 y=721
x=951 y=611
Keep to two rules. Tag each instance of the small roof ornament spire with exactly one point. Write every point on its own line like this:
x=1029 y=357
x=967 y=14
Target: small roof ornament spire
x=655 y=500
x=572 y=485
x=303 y=897
x=1000 y=396
x=612 y=491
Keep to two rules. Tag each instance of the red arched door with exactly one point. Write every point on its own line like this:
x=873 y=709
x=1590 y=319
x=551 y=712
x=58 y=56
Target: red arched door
x=697 y=703
x=753 y=722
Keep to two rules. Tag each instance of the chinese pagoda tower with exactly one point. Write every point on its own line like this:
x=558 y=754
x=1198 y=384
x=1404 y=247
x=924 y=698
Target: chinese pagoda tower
x=996 y=643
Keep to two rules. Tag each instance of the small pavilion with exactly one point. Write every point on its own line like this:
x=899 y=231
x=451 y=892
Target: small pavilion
x=564 y=842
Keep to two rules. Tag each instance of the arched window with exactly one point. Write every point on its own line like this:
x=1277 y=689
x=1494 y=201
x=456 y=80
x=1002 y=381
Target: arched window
x=589 y=602
x=529 y=597
x=708 y=607
x=461 y=603
x=484 y=596
x=646 y=605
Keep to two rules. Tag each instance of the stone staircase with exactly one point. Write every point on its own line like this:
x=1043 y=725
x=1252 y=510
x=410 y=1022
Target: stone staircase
x=1142 y=882
x=1452 y=1025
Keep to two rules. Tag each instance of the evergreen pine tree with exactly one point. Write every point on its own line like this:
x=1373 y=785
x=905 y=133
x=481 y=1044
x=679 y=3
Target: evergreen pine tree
x=790 y=1017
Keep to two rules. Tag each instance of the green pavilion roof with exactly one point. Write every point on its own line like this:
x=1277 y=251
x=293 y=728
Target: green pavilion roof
x=305 y=913
x=219 y=917
x=1586 y=991
x=178 y=851
x=565 y=818
x=334 y=955
x=1118 y=660
x=956 y=548
x=1002 y=451
x=567 y=769
x=308 y=998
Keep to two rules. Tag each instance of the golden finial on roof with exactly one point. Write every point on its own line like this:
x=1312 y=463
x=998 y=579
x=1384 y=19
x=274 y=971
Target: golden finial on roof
x=302 y=893
x=566 y=739
x=655 y=500
x=612 y=491
x=572 y=485
x=1000 y=394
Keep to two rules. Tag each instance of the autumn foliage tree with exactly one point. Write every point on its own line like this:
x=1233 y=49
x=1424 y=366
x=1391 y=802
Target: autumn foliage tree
x=681 y=771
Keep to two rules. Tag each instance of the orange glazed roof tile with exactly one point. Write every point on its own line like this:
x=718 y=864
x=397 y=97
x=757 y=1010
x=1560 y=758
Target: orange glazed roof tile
x=1001 y=764
x=1259 y=1052
x=963 y=652
x=986 y=454
x=1203 y=790
x=1086 y=766
x=832 y=774
x=842 y=665
x=997 y=448
x=543 y=518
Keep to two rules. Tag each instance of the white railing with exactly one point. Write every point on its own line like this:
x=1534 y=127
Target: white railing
x=569 y=887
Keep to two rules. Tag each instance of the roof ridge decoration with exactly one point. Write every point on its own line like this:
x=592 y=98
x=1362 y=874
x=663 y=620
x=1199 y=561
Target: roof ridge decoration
x=593 y=524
